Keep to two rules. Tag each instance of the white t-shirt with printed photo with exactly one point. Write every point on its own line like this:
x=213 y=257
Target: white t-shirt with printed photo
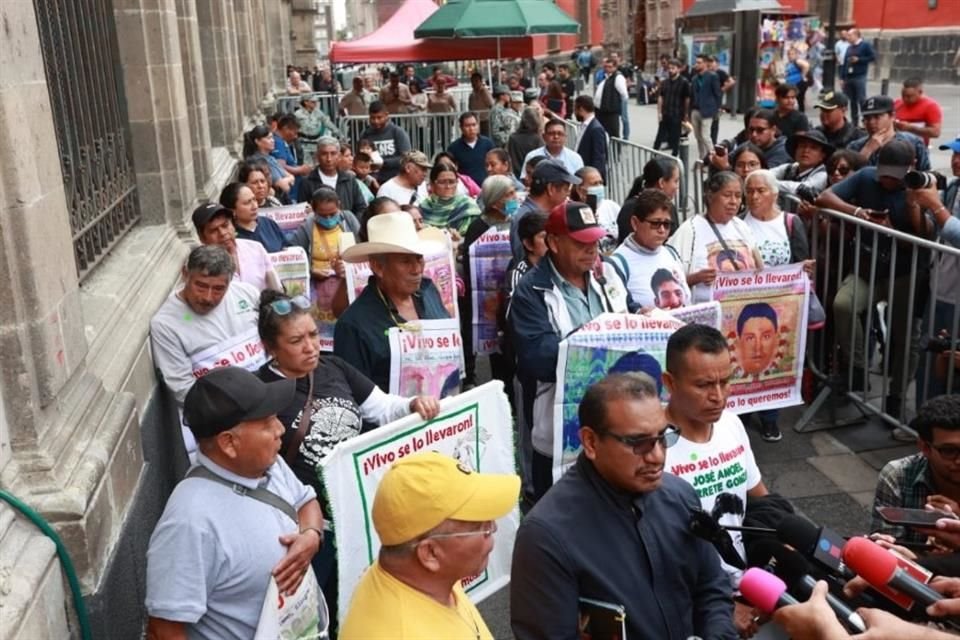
x=721 y=471
x=772 y=240
x=699 y=248
x=642 y=264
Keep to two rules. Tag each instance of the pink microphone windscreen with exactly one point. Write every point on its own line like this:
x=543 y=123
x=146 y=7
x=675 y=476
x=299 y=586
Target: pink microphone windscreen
x=762 y=589
x=872 y=562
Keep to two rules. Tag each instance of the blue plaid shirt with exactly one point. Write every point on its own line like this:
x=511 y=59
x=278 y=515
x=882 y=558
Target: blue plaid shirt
x=905 y=483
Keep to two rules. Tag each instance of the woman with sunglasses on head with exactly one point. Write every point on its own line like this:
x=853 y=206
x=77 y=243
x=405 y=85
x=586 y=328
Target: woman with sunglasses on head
x=333 y=402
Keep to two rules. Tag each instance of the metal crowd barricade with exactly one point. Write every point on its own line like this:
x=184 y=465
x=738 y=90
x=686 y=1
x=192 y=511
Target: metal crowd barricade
x=326 y=102
x=878 y=350
x=625 y=162
x=700 y=175
x=430 y=133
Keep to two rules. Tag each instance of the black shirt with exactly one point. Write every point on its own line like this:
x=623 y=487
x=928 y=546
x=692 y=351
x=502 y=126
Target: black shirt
x=674 y=92
x=791 y=123
x=843 y=136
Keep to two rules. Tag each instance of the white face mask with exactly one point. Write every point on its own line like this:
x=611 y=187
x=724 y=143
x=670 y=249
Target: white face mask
x=600 y=191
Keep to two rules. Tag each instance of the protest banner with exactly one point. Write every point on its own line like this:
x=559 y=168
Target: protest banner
x=764 y=318
x=474 y=427
x=426 y=358
x=288 y=217
x=610 y=343
x=489 y=256
x=244 y=350
x=707 y=313
x=438 y=266
x=293 y=269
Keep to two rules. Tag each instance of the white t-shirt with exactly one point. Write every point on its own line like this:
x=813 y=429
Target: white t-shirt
x=607 y=212
x=642 y=264
x=772 y=240
x=393 y=189
x=330 y=181
x=721 y=471
x=699 y=248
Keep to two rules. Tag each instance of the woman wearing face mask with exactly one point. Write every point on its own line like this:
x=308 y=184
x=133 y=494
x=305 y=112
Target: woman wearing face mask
x=444 y=208
x=592 y=192
x=501 y=198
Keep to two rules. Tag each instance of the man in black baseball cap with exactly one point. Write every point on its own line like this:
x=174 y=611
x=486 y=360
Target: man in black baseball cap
x=569 y=287
x=878 y=121
x=834 y=124
x=550 y=186
x=239 y=520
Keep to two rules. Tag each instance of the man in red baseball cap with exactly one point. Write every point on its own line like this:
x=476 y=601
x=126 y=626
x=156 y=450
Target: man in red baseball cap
x=569 y=287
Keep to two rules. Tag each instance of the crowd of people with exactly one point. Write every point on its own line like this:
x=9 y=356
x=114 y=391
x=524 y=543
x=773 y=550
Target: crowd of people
x=261 y=405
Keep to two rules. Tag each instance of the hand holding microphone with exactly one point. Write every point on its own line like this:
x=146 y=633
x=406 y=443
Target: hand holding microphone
x=811 y=620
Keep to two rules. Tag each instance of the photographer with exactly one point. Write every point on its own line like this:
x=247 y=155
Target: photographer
x=806 y=177
x=878 y=194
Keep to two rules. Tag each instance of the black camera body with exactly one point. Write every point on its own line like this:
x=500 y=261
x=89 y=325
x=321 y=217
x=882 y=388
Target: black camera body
x=940 y=344
x=924 y=180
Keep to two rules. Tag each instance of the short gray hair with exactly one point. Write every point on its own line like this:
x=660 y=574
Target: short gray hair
x=767 y=176
x=327 y=141
x=495 y=188
x=210 y=260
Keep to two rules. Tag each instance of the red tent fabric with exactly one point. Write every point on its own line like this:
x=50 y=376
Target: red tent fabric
x=394 y=42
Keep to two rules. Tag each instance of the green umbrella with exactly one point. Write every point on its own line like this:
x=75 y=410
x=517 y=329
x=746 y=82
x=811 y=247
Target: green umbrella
x=496 y=18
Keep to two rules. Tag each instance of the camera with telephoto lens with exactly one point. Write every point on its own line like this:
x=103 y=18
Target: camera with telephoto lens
x=924 y=180
x=807 y=193
x=940 y=344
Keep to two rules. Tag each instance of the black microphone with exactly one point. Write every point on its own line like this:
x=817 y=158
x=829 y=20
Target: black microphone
x=819 y=544
x=703 y=526
x=795 y=572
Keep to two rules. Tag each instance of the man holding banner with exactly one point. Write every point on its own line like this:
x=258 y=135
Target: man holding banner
x=435 y=519
x=566 y=290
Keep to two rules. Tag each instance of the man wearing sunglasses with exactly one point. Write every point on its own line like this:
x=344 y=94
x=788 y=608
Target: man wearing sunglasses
x=713 y=452
x=210 y=322
x=615 y=530
x=929 y=478
x=435 y=519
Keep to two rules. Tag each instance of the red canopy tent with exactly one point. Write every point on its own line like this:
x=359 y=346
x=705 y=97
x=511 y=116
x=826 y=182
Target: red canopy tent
x=394 y=42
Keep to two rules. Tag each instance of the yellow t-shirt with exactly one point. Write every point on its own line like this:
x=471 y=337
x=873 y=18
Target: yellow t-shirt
x=326 y=247
x=383 y=608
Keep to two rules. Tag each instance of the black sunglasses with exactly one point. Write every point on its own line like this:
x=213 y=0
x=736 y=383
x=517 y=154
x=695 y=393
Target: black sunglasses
x=642 y=445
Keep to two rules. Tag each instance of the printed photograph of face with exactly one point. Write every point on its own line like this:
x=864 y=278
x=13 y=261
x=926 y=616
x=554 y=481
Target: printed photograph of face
x=667 y=291
x=762 y=338
x=758 y=337
x=736 y=257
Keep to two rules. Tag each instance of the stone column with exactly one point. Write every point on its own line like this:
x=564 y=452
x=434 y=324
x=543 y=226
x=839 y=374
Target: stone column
x=157 y=107
x=221 y=71
x=265 y=68
x=246 y=54
x=286 y=41
x=194 y=81
x=276 y=63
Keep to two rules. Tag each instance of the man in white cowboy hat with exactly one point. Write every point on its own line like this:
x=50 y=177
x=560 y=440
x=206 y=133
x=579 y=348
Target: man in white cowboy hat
x=396 y=294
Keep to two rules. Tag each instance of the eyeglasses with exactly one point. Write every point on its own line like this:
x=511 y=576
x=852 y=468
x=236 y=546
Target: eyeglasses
x=446 y=183
x=748 y=165
x=658 y=224
x=842 y=169
x=757 y=129
x=486 y=532
x=285 y=306
x=642 y=445
x=947 y=451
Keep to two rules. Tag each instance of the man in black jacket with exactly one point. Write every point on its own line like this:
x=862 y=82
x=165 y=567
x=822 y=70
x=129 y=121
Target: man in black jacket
x=668 y=582
x=326 y=174
x=593 y=141
x=834 y=125
x=610 y=96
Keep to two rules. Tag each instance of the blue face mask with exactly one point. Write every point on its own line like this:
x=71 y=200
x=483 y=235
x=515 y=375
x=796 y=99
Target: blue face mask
x=510 y=207
x=600 y=191
x=329 y=222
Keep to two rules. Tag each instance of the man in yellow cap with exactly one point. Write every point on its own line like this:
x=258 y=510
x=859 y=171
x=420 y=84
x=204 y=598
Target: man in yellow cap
x=435 y=519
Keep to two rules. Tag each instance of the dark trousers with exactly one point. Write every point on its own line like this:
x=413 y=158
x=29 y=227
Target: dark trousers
x=542 y=472
x=714 y=129
x=856 y=90
x=669 y=132
x=610 y=122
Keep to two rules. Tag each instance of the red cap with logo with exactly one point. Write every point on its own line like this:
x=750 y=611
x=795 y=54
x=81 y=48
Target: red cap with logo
x=575 y=219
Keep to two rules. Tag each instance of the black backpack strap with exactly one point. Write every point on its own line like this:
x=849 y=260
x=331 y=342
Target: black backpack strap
x=259 y=494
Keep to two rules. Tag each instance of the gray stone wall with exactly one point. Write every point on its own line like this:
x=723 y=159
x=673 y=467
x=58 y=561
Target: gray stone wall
x=926 y=55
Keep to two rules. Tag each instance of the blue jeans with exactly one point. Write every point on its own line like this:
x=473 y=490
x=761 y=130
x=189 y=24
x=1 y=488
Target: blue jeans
x=856 y=89
x=625 y=119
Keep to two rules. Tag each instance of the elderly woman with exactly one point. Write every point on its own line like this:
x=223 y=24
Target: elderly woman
x=527 y=137
x=241 y=200
x=660 y=173
x=258 y=144
x=781 y=238
x=716 y=240
x=444 y=208
x=333 y=402
x=214 y=225
x=397 y=295
x=465 y=184
x=256 y=175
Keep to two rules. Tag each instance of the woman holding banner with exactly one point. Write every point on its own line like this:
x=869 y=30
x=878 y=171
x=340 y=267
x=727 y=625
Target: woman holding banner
x=333 y=402
x=717 y=240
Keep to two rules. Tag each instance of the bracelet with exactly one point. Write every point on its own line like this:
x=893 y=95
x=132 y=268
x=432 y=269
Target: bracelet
x=318 y=532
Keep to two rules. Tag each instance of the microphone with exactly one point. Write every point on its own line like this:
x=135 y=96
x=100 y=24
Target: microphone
x=795 y=572
x=883 y=570
x=764 y=590
x=820 y=544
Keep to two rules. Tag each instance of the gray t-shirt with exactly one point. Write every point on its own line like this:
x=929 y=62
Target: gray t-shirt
x=211 y=554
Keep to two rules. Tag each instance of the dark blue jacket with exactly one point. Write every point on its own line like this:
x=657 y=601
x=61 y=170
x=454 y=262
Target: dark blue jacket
x=472 y=162
x=593 y=147
x=865 y=55
x=706 y=95
x=586 y=539
x=922 y=158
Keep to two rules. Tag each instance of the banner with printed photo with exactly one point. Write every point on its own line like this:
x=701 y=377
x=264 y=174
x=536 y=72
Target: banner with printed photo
x=489 y=256
x=707 y=313
x=288 y=217
x=426 y=358
x=436 y=266
x=764 y=318
x=474 y=427
x=293 y=268
x=610 y=343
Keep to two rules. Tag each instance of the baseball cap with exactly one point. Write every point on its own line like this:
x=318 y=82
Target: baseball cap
x=227 y=396
x=576 y=220
x=207 y=212
x=952 y=146
x=418 y=158
x=832 y=100
x=422 y=490
x=895 y=159
x=877 y=104
x=552 y=172
x=516 y=96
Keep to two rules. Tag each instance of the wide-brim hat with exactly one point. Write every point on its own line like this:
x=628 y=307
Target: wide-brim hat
x=391 y=233
x=813 y=136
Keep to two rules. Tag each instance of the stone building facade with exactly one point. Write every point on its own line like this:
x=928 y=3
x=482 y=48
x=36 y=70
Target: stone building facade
x=94 y=223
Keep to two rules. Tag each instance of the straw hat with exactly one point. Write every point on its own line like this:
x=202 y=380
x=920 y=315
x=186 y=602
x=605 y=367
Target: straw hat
x=390 y=233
